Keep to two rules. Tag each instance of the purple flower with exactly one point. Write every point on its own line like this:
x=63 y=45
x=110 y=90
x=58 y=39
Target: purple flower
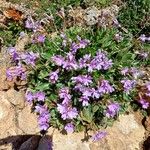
x=22 y=34
x=86 y=92
x=74 y=47
x=84 y=100
x=116 y=23
x=14 y=55
x=58 y=60
x=142 y=38
x=64 y=94
x=144 y=103
x=23 y=76
x=84 y=62
x=9 y=75
x=99 y=135
x=29 y=58
x=95 y=93
x=147 y=94
x=100 y=62
x=125 y=71
x=148 y=38
x=132 y=71
x=135 y=72
x=40 y=96
x=79 y=87
x=43 y=126
x=31 y=24
x=128 y=85
x=67 y=112
x=69 y=127
x=112 y=110
x=105 y=87
x=29 y=97
x=14 y=72
x=118 y=37
x=41 y=38
x=82 y=79
x=70 y=62
x=43 y=118
x=40 y=109
x=148 y=86
x=82 y=44
x=53 y=76
x=143 y=55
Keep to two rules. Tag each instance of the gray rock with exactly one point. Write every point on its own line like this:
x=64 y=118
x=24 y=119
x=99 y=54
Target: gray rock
x=31 y=143
x=45 y=143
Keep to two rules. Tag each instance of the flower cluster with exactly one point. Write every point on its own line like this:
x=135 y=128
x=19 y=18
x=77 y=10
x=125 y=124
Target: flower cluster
x=128 y=85
x=83 y=85
x=99 y=62
x=19 y=70
x=38 y=96
x=82 y=79
x=67 y=111
x=142 y=54
x=38 y=38
x=65 y=108
x=112 y=110
x=69 y=127
x=79 y=87
x=144 y=103
x=43 y=118
x=99 y=135
x=143 y=38
x=134 y=72
x=14 y=72
x=81 y=44
x=68 y=63
x=31 y=24
x=29 y=58
x=53 y=77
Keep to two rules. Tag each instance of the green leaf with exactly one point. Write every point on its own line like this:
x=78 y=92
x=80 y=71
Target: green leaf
x=46 y=55
x=42 y=86
x=43 y=74
x=87 y=114
x=95 y=108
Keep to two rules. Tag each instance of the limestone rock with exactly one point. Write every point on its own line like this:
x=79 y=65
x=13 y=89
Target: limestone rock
x=126 y=134
x=147 y=124
x=3 y=83
x=7 y=117
x=27 y=121
x=16 y=98
x=68 y=142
